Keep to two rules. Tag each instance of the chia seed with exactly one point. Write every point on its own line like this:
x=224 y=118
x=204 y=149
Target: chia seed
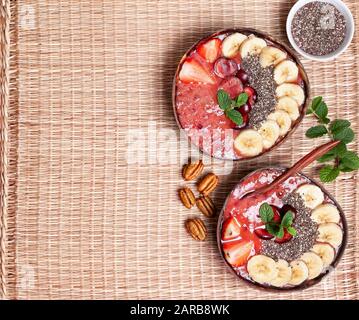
x=262 y=80
x=319 y=28
x=307 y=232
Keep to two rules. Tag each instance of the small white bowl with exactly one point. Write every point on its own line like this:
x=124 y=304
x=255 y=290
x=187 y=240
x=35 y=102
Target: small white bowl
x=347 y=40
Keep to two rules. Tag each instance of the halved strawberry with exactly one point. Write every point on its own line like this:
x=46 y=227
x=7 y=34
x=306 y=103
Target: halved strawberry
x=210 y=50
x=237 y=252
x=231 y=229
x=193 y=71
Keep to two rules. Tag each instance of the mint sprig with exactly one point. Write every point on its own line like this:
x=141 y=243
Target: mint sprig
x=228 y=105
x=276 y=229
x=338 y=129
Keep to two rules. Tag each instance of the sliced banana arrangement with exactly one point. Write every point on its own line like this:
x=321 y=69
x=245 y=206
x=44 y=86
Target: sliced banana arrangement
x=314 y=262
x=252 y=46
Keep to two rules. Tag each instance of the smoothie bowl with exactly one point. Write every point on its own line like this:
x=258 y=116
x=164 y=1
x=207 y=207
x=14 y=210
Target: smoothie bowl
x=308 y=242
x=239 y=93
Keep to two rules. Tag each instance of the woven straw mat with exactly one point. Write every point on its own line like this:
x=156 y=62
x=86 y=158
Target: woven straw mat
x=85 y=82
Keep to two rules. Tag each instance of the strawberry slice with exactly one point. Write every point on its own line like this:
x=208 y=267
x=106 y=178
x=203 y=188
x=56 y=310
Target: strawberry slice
x=231 y=229
x=233 y=86
x=237 y=252
x=210 y=50
x=193 y=71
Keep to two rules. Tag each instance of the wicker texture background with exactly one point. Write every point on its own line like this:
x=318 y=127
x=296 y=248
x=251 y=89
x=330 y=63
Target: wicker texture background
x=78 y=220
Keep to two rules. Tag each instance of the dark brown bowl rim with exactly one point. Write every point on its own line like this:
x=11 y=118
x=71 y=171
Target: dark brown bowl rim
x=266 y=36
x=308 y=283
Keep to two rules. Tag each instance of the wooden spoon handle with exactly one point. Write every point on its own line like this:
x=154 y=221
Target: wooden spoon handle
x=300 y=165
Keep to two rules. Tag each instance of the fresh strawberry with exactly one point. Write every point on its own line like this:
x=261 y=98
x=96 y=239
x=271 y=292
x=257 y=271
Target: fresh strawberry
x=252 y=97
x=263 y=234
x=210 y=50
x=233 y=86
x=231 y=229
x=193 y=71
x=287 y=236
x=237 y=252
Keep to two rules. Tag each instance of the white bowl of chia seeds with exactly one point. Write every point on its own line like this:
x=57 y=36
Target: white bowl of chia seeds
x=320 y=30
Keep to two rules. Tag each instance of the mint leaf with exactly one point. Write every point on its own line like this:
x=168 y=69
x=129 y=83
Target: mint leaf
x=317 y=131
x=223 y=99
x=325 y=120
x=338 y=125
x=327 y=157
x=292 y=231
x=242 y=99
x=315 y=103
x=280 y=233
x=346 y=135
x=235 y=116
x=272 y=228
x=266 y=212
x=328 y=173
x=350 y=160
x=343 y=168
x=287 y=219
x=321 y=111
x=340 y=149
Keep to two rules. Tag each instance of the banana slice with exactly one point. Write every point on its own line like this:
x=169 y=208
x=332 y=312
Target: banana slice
x=283 y=121
x=271 y=56
x=252 y=46
x=326 y=213
x=312 y=195
x=291 y=90
x=325 y=251
x=331 y=233
x=232 y=43
x=262 y=269
x=314 y=264
x=300 y=272
x=284 y=274
x=290 y=106
x=249 y=143
x=269 y=132
x=286 y=71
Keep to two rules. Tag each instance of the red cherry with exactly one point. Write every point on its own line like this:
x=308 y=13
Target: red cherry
x=243 y=76
x=246 y=108
x=287 y=208
x=252 y=96
x=225 y=67
x=263 y=234
x=233 y=86
x=277 y=217
x=287 y=236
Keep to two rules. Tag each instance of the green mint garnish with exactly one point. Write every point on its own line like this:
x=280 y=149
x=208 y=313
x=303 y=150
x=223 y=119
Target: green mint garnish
x=242 y=99
x=266 y=212
x=224 y=100
x=276 y=229
x=228 y=105
x=338 y=129
x=235 y=116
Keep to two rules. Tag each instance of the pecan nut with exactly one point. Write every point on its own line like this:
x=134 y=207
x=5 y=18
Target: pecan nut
x=192 y=170
x=206 y=206
x=207 y=184
x=196 y=228
x=187 y=197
